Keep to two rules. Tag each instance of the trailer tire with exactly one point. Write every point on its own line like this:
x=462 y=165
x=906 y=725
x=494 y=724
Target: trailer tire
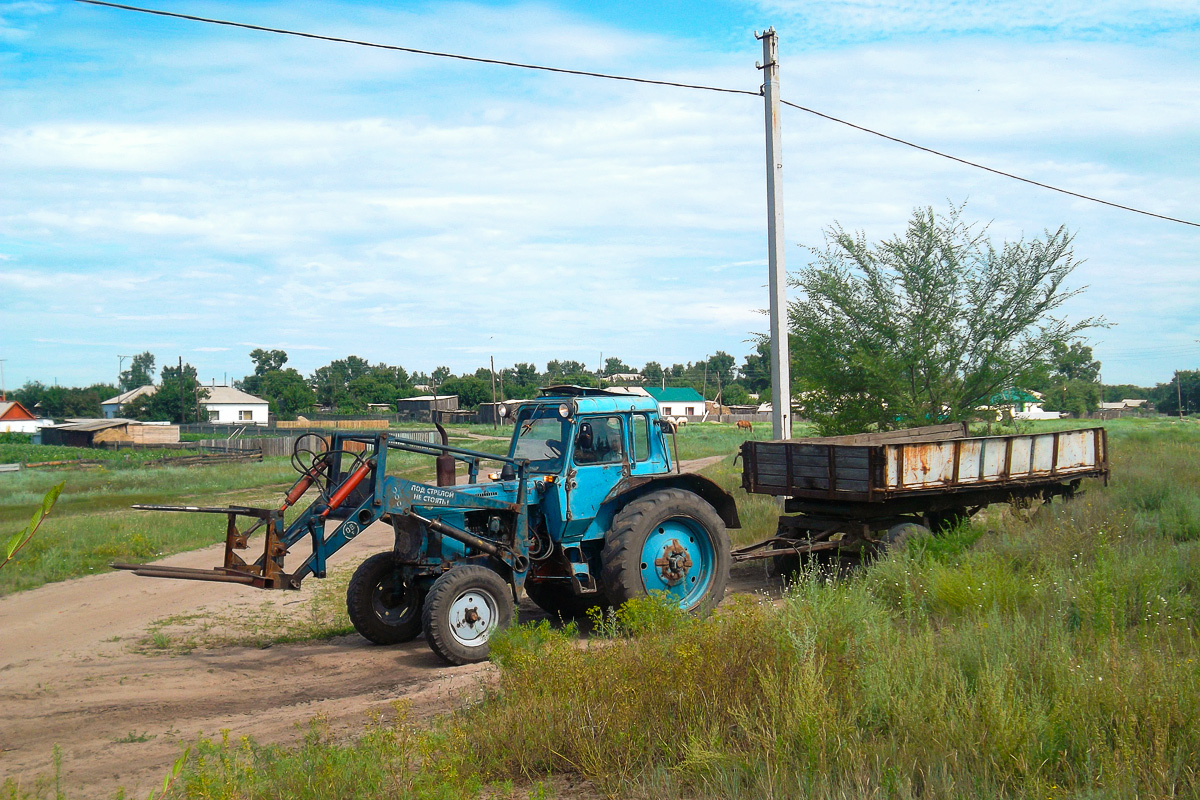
x=464 y=607
x=898 y=536
x=381 y=607
x=557 y=599
x=669 y=540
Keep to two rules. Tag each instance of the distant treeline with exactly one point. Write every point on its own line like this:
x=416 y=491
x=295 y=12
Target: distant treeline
x=351 y=384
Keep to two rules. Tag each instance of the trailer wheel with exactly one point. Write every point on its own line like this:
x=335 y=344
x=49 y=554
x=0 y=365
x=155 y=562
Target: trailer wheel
x=671 y=540
x=557 y=599
x=464 y=607
x=898 y=536
x=381 y=606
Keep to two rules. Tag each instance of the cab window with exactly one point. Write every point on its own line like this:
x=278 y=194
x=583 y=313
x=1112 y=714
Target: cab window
x=539 y=437
x=641 y=438
x=600 y=440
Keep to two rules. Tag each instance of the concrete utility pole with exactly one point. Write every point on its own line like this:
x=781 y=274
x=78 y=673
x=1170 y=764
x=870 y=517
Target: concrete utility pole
x=120 y=366
x=1179 y=394
x=781 y=382
x=492 y=361
x=182 y=407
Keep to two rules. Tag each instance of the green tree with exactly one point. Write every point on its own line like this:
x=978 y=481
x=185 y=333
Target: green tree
x=471 y=391
x=614 y=365
x=140 y=372
x=721 y=366
x=1071 y=381
x=267 y=360
x=332 y=382
x=652 y=372
x=557 y=370
x=1184 y=386
x=521 y=381
x=177 y=398
x=735 y=394
x=756 y=372
x=62 y=402
x=926 y=326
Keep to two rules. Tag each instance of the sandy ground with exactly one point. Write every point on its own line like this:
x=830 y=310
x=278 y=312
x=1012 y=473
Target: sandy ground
x=69 y=677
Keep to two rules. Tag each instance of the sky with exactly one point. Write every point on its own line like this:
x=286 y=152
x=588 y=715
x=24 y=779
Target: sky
x=199 y=191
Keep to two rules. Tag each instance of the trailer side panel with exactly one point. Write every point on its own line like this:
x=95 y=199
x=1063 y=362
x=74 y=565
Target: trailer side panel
x=992 y=459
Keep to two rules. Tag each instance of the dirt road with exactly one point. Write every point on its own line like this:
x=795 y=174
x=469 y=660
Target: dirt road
x=68 y=676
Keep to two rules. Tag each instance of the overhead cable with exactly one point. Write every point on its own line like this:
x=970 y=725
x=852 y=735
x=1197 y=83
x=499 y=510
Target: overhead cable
x=984 y=167
x=418 y=51
x=630 y=79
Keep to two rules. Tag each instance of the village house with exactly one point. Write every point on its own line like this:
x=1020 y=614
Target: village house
x=15 y=418
x=223 y=406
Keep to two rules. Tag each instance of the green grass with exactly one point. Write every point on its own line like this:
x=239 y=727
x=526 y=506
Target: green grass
x=25 y=453
x=1054 y=656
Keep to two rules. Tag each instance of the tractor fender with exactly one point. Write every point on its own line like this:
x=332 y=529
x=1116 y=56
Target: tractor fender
x=634 y=486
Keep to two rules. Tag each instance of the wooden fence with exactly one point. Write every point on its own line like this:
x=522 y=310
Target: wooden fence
x=274 y=446
x=338 y=424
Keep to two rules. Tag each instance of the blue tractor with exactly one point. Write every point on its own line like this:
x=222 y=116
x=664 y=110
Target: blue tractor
x=588 y=509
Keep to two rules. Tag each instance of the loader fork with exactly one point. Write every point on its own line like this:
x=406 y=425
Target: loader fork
x=265 y=573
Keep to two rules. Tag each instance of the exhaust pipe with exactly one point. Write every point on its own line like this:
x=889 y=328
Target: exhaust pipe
x=445 y=462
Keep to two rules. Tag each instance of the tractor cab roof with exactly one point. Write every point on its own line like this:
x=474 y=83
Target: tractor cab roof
x=584 y=400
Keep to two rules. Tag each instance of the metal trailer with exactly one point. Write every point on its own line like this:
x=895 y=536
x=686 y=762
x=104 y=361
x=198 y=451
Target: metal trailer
x=851 y=492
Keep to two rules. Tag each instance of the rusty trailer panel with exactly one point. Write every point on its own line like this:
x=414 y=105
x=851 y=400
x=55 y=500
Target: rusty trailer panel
x=885 y=470
x=993 y=459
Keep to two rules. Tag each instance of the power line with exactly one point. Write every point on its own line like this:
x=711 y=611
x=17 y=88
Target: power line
x=418 y=51
x=986 y=168
x=630 y=79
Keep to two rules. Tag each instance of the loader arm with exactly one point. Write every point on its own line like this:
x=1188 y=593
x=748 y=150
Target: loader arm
x=354 y=497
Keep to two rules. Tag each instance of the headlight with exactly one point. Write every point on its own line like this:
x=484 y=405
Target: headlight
x=564 y=410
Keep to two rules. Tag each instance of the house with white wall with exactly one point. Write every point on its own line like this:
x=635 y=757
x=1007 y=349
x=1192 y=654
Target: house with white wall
x=15 y=418
x=228 y=406
x=223 y=406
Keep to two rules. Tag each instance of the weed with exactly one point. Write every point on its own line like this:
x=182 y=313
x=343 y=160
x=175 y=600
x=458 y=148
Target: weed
x=134 y=736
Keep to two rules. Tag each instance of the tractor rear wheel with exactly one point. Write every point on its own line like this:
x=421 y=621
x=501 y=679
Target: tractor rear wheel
x=557 y=599
x=464 y=607
x=382 y=607
x=671 y=541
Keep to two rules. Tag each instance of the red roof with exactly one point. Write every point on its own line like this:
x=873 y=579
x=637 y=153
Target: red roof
x=14 y=410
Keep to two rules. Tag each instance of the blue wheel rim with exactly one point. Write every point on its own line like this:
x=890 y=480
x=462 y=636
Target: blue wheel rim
x=678 y=558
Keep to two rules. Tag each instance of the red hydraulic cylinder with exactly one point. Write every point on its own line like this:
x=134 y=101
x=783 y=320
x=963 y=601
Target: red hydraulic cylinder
x=349 y=486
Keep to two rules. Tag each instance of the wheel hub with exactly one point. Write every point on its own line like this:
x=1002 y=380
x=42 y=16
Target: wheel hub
x=471 y=616
x=674 y=563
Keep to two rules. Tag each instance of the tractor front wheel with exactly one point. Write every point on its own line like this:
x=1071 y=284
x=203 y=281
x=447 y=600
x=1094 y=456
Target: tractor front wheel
x=671 y=541
x=464 y=607
x=382 y=607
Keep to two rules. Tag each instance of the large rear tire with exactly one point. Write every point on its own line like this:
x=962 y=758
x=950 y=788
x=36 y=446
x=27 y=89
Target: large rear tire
x=381 y=606
x=557 y=599
x=670 y=540
x=464 y=607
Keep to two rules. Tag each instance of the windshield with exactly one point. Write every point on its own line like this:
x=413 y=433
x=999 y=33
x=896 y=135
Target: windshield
x=539 y=438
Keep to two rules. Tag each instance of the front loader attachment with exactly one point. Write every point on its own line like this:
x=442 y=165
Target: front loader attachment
x=350 y=497
x=265 y=573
